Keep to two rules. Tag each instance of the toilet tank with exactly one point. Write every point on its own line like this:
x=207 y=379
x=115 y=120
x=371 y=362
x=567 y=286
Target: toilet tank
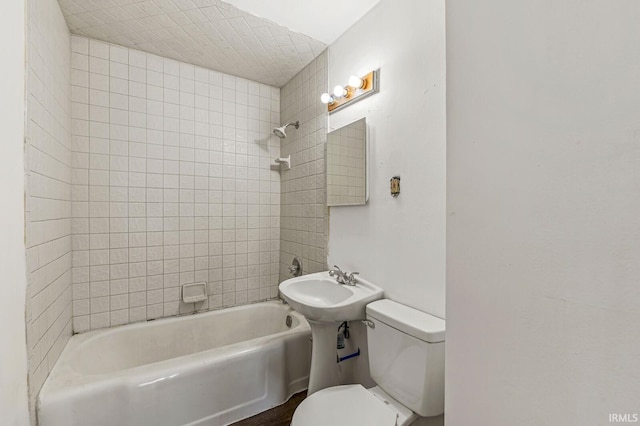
x=406 y=355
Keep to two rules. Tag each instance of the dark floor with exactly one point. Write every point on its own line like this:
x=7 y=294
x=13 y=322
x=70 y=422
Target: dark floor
x=279 y=416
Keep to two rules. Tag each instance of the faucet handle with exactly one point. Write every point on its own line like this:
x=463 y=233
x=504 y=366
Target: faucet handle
x=352 y=278
x=337 y=270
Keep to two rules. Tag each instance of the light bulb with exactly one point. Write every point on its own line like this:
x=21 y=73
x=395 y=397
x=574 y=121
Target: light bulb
x=356 y=82
x=339 y=92
x=326 y=98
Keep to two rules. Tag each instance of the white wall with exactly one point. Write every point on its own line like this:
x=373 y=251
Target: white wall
x=543 y=257
x=398 y=243
x=13 y=356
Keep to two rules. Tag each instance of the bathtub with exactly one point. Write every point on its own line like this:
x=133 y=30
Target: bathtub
x=211 y=368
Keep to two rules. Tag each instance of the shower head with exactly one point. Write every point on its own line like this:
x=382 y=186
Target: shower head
x=280 y=131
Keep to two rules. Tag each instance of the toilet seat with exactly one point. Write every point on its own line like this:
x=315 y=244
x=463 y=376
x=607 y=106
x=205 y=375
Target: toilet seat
x=348 y=405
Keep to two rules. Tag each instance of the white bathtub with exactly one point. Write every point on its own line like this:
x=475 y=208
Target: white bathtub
x=211 y=368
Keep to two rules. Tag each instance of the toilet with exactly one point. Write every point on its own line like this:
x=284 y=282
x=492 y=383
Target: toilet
x=406 y=360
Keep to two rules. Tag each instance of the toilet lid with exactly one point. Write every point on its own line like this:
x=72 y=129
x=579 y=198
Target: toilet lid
x=349 y=405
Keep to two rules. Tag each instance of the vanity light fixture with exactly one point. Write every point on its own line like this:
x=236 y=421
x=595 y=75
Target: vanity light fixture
x=340 y=92
x=326 y=98
x=356 y=89
x=357 y=82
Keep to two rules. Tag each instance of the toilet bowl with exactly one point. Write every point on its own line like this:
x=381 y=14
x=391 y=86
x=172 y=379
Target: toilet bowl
x=406 y=360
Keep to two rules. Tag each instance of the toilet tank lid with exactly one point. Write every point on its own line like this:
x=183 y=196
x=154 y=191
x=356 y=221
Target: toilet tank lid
x=411 y=321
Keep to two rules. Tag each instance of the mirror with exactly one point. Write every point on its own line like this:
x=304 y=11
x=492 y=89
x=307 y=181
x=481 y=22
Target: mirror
x=347 y=165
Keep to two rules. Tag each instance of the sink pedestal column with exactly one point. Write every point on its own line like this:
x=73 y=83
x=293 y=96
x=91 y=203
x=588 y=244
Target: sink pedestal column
x=324 y=368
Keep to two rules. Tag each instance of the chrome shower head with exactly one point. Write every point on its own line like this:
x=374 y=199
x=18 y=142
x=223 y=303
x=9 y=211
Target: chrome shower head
x=280 y=131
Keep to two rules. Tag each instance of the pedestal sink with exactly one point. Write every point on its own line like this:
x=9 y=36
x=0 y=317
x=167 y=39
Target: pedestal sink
x=324 y=303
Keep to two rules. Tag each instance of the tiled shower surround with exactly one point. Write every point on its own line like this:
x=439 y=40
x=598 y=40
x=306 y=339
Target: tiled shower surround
x=304 y=218
x=143 y=173
x=48 y=191
x=172 y=184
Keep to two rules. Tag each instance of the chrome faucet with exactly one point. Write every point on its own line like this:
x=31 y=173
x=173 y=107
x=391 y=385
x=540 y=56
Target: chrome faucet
x=337 y=272
x=351 y=278
x=343 y=278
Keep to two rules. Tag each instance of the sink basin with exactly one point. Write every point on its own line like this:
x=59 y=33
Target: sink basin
x=319 y=297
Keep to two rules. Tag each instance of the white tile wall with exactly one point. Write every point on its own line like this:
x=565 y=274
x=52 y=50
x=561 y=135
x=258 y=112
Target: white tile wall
x=171 y=185
x=48 y=191
x=346 y=165
x=304 y=211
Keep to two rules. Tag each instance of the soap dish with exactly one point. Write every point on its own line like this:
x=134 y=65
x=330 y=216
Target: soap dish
x=194 y=293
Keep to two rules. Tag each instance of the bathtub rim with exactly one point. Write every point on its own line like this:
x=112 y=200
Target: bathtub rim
x=64 y=380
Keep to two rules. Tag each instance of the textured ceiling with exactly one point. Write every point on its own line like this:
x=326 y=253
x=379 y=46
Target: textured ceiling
x=208 y=33
x=324 y=20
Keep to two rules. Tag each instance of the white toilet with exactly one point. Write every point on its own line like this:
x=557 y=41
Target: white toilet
x=406 y=360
